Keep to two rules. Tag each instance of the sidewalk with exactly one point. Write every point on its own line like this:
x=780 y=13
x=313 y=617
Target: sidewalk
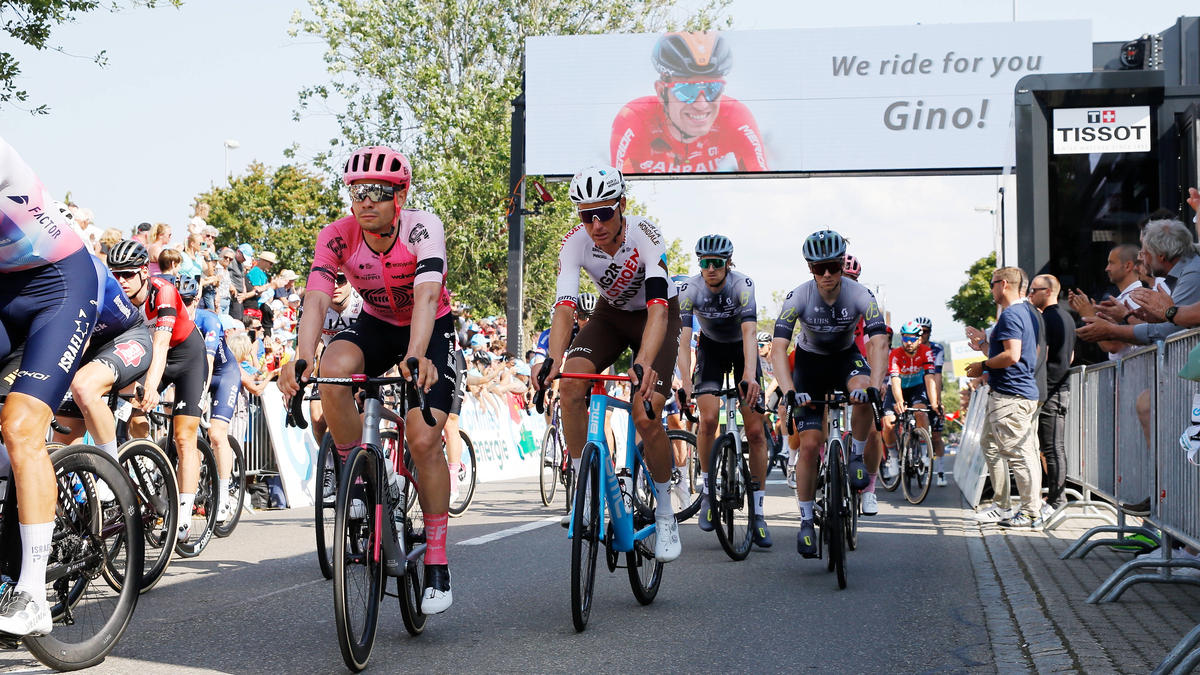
x=1036 y=612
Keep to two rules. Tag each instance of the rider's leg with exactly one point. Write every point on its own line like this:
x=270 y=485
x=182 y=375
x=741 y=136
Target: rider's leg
x=810 y=441
x=709 y=408
x=218 y=436
x=186 y=428
x=454 y=451
x=316 y=413
x=25 y=420
x=574 y=403
x=90 y=389
x=341 y=358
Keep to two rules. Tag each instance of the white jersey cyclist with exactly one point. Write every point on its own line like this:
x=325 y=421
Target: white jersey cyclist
x=336 y=322
x=621 y=278
x=829 y=328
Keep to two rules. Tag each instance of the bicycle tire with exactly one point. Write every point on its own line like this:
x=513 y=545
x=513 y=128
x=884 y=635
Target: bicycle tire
x=325 y=511
x=237 y=490
x=568 y=479
x=917 y=466
x=645 y=571
x=548 y=468
x=835 y=494
x=411 y=585
x=852 y=521
x=357 y=574
x=152 y=479
x=890 y=483
x=466 y=478
x=204 y=508
x=691 y=465
x=585 y=544
x=76 y=641
x=731 y=498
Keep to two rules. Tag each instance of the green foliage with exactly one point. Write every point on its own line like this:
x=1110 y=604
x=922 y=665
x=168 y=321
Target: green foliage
x=951 y=399
x=679 y=258
x=973 y=304
x=436 y=80
x=30 y=22
x=279 y=210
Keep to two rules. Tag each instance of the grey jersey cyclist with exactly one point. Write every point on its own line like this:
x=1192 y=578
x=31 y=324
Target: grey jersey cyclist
x=828 y=308
x=722 y=301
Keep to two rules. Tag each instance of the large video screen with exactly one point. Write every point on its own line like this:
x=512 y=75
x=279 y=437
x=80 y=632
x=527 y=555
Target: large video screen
x=936 y=97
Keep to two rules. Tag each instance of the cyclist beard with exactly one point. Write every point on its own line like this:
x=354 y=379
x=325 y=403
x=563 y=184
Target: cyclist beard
x=395 y=219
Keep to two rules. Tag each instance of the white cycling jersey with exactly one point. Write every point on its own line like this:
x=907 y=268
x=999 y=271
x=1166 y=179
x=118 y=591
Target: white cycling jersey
x=336 y=322
x=628 y=280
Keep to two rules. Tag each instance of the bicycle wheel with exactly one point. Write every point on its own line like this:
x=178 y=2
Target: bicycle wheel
x=204 y=508
x=411 y=585
x=568 y=479
x=357 y=567
x=691 y=468
x=917 y=465
x=89 y=617
x=465 y=478
x=852 y=520
x=836 y=511
x=731 y=498
x=645 y=572
x=585 y=544
x=153 y=482
x=892 y=481
x=548 y=469
x=237 y=490
x=324 y=514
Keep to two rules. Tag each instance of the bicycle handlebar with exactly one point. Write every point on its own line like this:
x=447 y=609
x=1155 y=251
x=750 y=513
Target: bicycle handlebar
x=738 y=392
x=295 y=416
x=684 y=406
x=792 y=410
x=539 y=399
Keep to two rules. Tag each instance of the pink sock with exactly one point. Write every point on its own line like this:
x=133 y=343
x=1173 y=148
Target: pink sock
x=871 y=483
x=343 y=451
x=435 y=539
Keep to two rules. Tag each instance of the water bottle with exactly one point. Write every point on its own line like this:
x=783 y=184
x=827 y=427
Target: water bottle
x=77 y=490
x=626 y=482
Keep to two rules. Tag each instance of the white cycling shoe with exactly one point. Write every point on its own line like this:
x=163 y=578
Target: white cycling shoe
x=21 y=615
x=666 y=538
x=870 y=504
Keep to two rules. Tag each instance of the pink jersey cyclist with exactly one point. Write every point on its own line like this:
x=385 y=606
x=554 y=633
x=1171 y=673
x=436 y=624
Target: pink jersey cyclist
x=32 y=233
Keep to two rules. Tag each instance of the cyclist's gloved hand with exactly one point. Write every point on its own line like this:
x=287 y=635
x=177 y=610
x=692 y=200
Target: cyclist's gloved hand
x=800 y=398
x=859 y=396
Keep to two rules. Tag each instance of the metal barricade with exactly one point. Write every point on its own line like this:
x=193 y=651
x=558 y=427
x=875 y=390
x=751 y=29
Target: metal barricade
x=1177 y=509
x=1088 y=435
x=1072 y=443
x=1099 y=436
x=1135 y=402
x=249 y=426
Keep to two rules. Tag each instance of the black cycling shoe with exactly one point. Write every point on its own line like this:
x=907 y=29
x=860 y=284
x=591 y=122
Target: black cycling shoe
x=806 y=539
x=857 y=469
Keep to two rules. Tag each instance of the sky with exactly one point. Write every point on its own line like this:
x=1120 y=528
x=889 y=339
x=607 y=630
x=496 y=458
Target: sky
x=138 y=139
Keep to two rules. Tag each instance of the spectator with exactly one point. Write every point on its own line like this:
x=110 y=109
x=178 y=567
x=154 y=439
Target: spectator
x=1008 y=436
x=194 y=257
x=141 y=234
x=237 y=279
x=160 y=240
x=285 y=285
x=199 y=215
x=243 y=350
x=1122 y=271
x=168 y=263
x=110 y=237
x=85 y=219
x=1052 y=420
x=225 y=258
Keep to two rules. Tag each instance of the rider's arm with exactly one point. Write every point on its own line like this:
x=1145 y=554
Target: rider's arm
x=684 y=359
x=425 y=302
x=161 y=344
x=877 y=347
x=560 y=331
x=316 y=303
x=566 y=289
x=784 y=326
x=658 y=283
x=653 y=334
x=931 y=388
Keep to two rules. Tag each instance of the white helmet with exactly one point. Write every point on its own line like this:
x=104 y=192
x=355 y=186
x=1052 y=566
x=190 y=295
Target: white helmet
x=596 y=184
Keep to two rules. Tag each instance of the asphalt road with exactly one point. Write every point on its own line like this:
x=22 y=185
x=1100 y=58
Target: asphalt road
x=256 y=602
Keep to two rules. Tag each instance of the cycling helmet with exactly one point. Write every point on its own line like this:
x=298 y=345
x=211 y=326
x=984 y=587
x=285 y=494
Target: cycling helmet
x=764 y=336
x=714 y=245
x=377 y=162
x=692 y=54
x=127 y=254
x=851 y=267
x=925 y=322
x=597 y=183
x=910 y=328
x=188 y=288
x=824 y=245
x=587 y=303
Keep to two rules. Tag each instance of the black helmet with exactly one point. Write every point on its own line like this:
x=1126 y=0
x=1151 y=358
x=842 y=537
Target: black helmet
x=127 y=254
x=824 y=245
x=692 y=54
x=714 y=244
x=188 y=288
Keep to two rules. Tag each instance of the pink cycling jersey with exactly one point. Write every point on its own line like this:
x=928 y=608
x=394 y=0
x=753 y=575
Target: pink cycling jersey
x=384 y=280
x=32 y=232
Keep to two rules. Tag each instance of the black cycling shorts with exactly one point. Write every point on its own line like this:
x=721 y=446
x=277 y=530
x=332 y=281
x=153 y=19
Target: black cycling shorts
x=127 y=355
x=714 y=359
x=460 y=363
x=820 y=374
x=913 y=396
x=383 y=345
x=187 y=369
x=611 y=330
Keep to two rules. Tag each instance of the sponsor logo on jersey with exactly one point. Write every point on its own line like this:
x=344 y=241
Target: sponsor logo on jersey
x=567 y=236
x=623 y=146
x=130 y=352
x=82 y=327
x=651 y=232
x=418 y=234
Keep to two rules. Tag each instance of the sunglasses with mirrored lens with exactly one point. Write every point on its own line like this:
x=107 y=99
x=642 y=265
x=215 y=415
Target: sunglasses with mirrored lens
x=603 y=213
x=909 y=338
x=125 y=274
x=820 y=269
x=375 y=192
x=341 y=280
x=712 y=263
x=688 y=92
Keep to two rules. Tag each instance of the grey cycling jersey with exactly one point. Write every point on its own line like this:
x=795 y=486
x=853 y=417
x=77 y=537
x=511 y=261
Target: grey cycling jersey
x=826 y=328
x=722 y=313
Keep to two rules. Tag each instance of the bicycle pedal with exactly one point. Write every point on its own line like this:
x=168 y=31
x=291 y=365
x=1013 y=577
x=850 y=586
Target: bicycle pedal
x=9 y=641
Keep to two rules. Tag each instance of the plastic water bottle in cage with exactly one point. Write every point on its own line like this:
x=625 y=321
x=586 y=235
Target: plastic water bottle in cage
x=124 y=410
x=626 y=483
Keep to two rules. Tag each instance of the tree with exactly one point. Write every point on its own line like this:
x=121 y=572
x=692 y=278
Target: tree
x=679 y=259
x=436 y=79
x=279 y=210
x=973 y=304
x=30 y=22
x=951 y=400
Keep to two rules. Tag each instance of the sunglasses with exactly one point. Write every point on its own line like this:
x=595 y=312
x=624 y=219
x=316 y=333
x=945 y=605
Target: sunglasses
x=341 y=280
x=821 y=269
x=125 y=274
x=1038 y=290
x=688 y=92
x=603 y=213
x=712 y=263
x=906 y=339
x=375 y=192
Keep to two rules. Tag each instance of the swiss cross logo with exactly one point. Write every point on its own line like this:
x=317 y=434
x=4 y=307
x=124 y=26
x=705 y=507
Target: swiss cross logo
x=131 y=353
x=1108 y=116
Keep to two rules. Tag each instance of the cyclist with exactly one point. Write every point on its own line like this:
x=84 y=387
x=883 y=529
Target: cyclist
x=344 y=307
x=937 y=422
x=913 y=385
x=827 y=309
x=723 y=301
x=224 y=385
x=625 y=256
x=48 y=293
x=177 y=357
x=396 y=259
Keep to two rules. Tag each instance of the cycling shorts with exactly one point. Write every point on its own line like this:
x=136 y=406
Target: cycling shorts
x=51 y=310
x=460 y=364
x=913 y=396
x=127 y=355
x=187 y=369
x=937 y=423
x=820 y=374
x=384 y=345
x=714 y=359
x=224 y=388
x=611 y=330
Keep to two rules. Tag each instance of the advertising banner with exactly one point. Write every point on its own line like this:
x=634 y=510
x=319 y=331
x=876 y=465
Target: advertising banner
x=1102 y=129
x=922 y=97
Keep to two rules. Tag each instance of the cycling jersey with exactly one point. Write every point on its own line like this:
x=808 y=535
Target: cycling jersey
x=911 y=368
x=385 y=280
x=32 y=232
x=543 y=341
x=642 y=141
x=636 y=276
x=828 y=328
x=938 y=355
x=721 y=313
x=214 y=338
x=166 y=309
x=336 y=322
x=115 y=313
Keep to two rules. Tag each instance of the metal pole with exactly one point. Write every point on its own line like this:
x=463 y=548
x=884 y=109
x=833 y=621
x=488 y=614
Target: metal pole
x=1002 y=227
x=516 y=226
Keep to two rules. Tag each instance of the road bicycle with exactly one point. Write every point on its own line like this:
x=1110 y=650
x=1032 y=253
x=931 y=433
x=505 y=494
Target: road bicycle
x=374 y=535
x=555 y=467
x=916 y=456
x=630 y=525
x=204 y=508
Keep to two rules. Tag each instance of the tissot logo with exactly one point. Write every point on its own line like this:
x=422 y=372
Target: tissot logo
x=1098 y=130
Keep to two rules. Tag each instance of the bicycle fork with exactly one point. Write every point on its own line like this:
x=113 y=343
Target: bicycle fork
x=387 y=539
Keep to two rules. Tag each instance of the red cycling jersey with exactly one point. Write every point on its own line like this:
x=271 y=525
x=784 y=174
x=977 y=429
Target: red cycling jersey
x=642 y=142
x=166 y=309
x=911 y=368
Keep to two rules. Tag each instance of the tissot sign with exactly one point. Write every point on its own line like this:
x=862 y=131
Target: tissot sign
x=1102 y=129
x=805 y=100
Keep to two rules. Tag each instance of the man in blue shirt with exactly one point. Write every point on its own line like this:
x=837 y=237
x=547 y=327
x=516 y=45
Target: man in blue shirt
x=1009 y=436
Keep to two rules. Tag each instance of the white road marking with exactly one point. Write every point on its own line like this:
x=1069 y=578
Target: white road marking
x=488 y=538
x=778 y=481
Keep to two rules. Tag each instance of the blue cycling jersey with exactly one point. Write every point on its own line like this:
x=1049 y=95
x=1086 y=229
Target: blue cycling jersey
x=115 y=313
x=543 y=342
x=214 y=339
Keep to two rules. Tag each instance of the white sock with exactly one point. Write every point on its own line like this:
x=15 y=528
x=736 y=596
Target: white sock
x=35 y=553
x=575 y=462
x=663 y=507
x=704 y=483
x=793 y=454
x=857 y=447
x=759 y=495
x=223 y=489
x=186 y=501
x=806 y=509
x=683 y=480
x=937 y=464
x=109 y=447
